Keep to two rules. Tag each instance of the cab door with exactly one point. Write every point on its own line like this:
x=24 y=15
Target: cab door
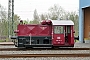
x=69 y=35
x=58 y=35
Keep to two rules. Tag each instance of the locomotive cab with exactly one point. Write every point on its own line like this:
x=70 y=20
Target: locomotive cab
x=63 y=33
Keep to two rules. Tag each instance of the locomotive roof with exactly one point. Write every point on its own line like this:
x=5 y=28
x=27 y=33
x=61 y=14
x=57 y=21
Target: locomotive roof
x=62 y=22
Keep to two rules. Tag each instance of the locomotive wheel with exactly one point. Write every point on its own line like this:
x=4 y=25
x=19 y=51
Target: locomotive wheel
x=28 y=47
x=55 y=47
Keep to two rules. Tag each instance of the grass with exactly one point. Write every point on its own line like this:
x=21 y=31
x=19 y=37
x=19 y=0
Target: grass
x=76 y=40
x=4 y=40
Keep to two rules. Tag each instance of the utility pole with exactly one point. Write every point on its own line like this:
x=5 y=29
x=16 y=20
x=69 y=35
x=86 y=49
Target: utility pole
x=10 y=17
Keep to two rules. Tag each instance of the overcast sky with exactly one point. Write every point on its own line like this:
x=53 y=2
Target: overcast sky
x=25 y=8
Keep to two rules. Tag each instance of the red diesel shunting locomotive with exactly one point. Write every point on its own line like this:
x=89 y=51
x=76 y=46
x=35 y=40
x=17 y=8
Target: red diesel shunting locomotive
x=50 y=33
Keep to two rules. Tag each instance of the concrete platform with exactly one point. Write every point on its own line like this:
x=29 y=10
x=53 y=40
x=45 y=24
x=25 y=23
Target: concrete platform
x=87 y=41
x=82 y=45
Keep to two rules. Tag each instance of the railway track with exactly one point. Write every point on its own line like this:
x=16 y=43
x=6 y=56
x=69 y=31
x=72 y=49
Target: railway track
x=6 y=43
x=23 y=49
x=43 y=55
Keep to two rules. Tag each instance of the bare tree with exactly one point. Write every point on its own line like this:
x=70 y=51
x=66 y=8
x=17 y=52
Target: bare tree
x=75 y=18
x=3 y=21
x=44 y=16
x=36 y=17
x=56 y=12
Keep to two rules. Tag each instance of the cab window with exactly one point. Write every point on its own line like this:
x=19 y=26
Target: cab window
x=58 y=29
x=69 y=29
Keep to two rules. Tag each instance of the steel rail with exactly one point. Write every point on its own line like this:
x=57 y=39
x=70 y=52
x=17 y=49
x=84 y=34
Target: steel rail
x=43 y=55
x=7 y=44
x=23 y=49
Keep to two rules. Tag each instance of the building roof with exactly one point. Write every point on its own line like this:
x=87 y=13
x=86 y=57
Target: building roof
x=62 y=22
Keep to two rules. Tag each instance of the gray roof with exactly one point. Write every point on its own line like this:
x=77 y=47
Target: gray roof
x=62 y=22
